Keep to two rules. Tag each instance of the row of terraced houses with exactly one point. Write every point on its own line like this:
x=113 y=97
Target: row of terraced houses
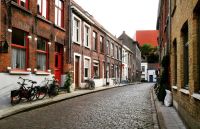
x=179 y=34
x=44 y=38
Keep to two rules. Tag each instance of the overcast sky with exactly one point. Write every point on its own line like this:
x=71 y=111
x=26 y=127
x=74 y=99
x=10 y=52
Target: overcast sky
x=123 y=15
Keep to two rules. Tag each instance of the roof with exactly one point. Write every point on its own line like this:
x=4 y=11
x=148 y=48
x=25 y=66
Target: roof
x=128 y=41
x=147 y=37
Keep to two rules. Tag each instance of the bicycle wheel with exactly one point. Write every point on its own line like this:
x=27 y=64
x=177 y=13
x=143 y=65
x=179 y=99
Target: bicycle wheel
x=91 y=86
x=32 y=93
x=41 y=93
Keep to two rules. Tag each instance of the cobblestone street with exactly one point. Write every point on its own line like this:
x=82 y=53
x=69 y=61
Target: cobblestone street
x=126 y=107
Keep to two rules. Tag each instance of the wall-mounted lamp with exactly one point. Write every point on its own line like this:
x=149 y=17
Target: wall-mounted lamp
x=36 y=38
x=49 y=43
x=29 y=37
x=9 y=30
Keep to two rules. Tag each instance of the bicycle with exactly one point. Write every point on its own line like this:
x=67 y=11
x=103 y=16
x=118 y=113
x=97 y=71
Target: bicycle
x=90 y=84
x=23 y=92
x=50 y=89
x=116 y=82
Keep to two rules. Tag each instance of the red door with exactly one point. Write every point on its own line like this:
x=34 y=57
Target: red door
x=58 y=61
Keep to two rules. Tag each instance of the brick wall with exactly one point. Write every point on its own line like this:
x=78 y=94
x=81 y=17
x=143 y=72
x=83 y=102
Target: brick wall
x=188 y=105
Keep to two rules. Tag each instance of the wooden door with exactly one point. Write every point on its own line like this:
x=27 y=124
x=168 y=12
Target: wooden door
x=77 y=72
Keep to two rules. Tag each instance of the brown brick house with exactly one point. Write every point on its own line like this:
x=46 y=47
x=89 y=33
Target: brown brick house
x=183 y=20
x=95 y=52
x=32 y=40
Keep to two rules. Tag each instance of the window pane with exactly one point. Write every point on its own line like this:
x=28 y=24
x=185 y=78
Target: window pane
x=56 y=16
x=41 y=61
x=86 y=72
x=39 y=6
x=44 y=8
x=41 y=44
x=23 y=3
x=57 y=2
x=18 y=37
x=18 y=58
x=59 y=17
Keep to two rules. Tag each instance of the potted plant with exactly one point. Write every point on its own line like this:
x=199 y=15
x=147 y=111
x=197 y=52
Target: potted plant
x=68 y=82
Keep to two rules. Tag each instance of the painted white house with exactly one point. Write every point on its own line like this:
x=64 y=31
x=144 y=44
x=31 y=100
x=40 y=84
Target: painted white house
x=144 y=66
x=149 y=71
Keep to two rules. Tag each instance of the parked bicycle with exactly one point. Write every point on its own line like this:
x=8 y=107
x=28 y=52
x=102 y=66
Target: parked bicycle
x=90 y=84
x=51 y=89
x=23 y=92
x=116 y=82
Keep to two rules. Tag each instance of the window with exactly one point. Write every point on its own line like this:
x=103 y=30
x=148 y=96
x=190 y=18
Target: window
x=101 y=44
x=59 y=13
x=143 y=68
x=108 y=70
x=76 y=30
x=120 y=54
x=186 y=55
x=23 y=3
x=42 y=54
x=95 y=41
x=42 y=8
x=175 y=62
x=19 y=49
x=116 y=52
x=86 y=35
x=112 y=71
x=107 y=47
x=86 y=68
x=96 y=69
x=111 y=49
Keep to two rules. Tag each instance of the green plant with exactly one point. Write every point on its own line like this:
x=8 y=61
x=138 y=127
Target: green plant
x=68 y=81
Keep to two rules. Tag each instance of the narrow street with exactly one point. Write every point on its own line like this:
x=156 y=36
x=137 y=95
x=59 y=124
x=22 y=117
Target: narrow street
x=126 y=107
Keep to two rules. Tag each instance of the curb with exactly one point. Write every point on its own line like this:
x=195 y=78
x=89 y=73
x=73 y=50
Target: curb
x=160 y=118
x=53 y=100
x=154 y=112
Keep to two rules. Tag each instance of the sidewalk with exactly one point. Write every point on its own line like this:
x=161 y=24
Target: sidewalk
x=168 y=117
x=11 y=110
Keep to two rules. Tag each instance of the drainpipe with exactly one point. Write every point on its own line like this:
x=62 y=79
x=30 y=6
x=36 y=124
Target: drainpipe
x=70 y=33
x=169 y=27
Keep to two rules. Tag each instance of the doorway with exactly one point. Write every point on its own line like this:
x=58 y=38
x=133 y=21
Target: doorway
x=77 y=72
x=58 y=61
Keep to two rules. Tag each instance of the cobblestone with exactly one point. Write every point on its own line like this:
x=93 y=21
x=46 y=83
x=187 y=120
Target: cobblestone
x=126 y=107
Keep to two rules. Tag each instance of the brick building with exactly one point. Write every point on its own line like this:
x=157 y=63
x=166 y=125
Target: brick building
x=95 y=52
x=131 y=58
x=32 y=41
x=184 y=59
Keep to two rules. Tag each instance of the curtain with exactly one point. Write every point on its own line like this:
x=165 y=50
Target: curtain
x=18 y=58
x=41 y=61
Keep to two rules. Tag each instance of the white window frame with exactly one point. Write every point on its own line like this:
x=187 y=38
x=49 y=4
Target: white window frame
x=94 y=64
x=73 y=28
x=89 y=35
x=89 y=68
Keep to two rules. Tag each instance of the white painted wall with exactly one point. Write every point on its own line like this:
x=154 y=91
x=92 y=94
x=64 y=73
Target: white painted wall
x=152 y=72
x=144 y=73
x=8 y=82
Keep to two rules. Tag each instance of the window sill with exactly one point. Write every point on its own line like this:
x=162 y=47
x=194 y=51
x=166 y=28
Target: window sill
x=21 y=7
x=77 y=43
x=19 y=72
x=196 y=96
x=43 y=19
x=61 y=28
x=174 y=87
x=42 y=73
x=87 y=47
x=184 y=91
